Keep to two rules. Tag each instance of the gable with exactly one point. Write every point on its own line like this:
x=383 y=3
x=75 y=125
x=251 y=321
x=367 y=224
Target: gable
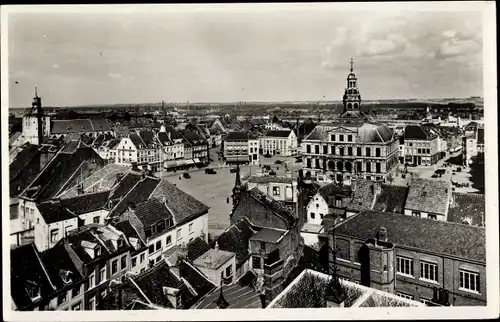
x=257 y=213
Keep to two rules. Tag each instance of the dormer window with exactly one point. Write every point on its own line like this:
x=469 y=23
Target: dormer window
x=33 y=289
x=65 y=276
x=120 y=242
x=98 y=251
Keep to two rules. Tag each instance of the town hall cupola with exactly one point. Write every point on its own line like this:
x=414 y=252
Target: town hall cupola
x=352 y=98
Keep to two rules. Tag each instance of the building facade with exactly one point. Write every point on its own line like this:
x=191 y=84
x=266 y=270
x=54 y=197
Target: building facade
x=240 y=147
x=279 y=142
x=422 y=145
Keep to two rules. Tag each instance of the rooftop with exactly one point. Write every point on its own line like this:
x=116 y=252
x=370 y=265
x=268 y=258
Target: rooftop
x=278 y=134
x=428 y=196
x=467 y=208
x=268 y=235
x=366 y=132
x=213 y=258
x=151 y=212
x=308 y=291
x=53 y=211
x=238 y=297
x=235 y=239
x=428 y=235
x=238 y=136
x=268 y=179
x=417 y=132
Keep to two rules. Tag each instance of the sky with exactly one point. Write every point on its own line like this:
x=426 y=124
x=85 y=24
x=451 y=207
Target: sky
x=241 y=54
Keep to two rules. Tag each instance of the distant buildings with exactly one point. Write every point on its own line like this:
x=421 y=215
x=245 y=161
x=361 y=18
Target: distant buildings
x=472 y=143
x=279 y=142
x=280 y=188
x=422 y=145
x=240 y=147
x=428 y=199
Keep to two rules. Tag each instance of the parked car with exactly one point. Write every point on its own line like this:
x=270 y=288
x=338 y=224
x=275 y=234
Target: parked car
x=232 y=170
x=434 y=176
x=298 y=160
x=186 y=175
x=210 y=171
x=267 y=155
x=272 y=173
x=278 y=162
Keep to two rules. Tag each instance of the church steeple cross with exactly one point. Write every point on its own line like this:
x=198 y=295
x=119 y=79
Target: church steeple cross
x=352 y=64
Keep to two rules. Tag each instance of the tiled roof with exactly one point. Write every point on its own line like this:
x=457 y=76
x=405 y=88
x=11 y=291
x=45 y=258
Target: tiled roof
x=417 y=132
x=130 y=295
x=100 y=124
x=152 y=282
x=101 y=180
x=435 y=236
x=428 y=196
x=238 y=136
x=367 y=132
x=71 y=126
x=276 y=206
x=193 y=138
x=235 y=239
x=268 y=179
x=238 y=297
x=56 y=175
x=126 y=227
x=54 y=212
x=24 y=169
x=183 y=206
x=391 y=199
x=278 y=134
x=196 y=248
x=137 y=195
x=86 y=203
x=268 y=235
x=213 y=258
x=56 y=259
x=201 y=284
x=22 y=159
x=125 y=184
x=148 y=138
x=26 y=266
x=247 y=279
x=362 y=198
x=467 y=208
x=163 y=138
x=151 y=212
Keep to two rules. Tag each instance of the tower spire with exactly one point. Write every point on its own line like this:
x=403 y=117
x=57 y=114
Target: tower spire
x=237 y=186
x=36 y=91
x=352 y=65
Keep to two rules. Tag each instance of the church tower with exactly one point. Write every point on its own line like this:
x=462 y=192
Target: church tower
x=352 y=98
x=237 y=187
x=36 y=124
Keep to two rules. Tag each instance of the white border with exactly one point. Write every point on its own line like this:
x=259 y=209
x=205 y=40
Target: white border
x=490 y=103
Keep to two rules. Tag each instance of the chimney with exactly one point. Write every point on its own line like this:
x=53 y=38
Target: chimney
x=216 y=245
x=353 y=185
x=382 y=234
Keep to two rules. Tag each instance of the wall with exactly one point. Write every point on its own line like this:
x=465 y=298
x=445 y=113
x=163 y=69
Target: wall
x=214 y=274
x=89 y=217
x=448 y=274
x=70 y=302
x=286 y=192
x=43 y=231
x=309 y=238
x=440 y=217
x=318 y=206
x=139 y=266
x=129 y=155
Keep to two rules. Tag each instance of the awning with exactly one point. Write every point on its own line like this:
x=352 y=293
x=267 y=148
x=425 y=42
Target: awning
x=170 y=164
x=189 y=161
x=241 y=158
x=180 y=162
x=196 y=160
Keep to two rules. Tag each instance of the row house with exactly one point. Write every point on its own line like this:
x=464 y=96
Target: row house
x=240 y=147
x=198 y=145
x=280 y=188
x=340 y=152
x=141 y=148
x=73 y=275
x=428 y=199
x=472 y=144
x=411 y=256
x=282 y=142
x=422 y=145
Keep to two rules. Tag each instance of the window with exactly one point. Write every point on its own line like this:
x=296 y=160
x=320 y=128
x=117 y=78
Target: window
x=308 y=148
x=430 y=216
x=256 y=262
x=325 y=149
x=341 y=138
x=141 y=258
x=341 y=150
x=151 y=249
x=102 y=274
x=92 y=304
x=469 y=281
x=349 y=150
x=123 y=263
x=276 y=191
x=425 y=301
x=262 y=246
x=358 y=152
x=332 y=149
x=179 y=234
x=405 y=266
x=75 y=291
x=321 y=216
x=377 y=167
x=120 y=243
x=316 y=149
x=415 y=214
x=114 y=266
x=92 y=280
x=406 y=296
x=368 y=152
x=368 y=168
x=96 y=219
x=229 y=270
x=313 y=215
x=332 y=137
x=428 y=271
x=61 y=299
x=158 y=244
x=54 y=235
x=359 y=167
x=191 y=229
x=169 y=240
x=419 y=150
x=349 y=138
x=77 y=307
